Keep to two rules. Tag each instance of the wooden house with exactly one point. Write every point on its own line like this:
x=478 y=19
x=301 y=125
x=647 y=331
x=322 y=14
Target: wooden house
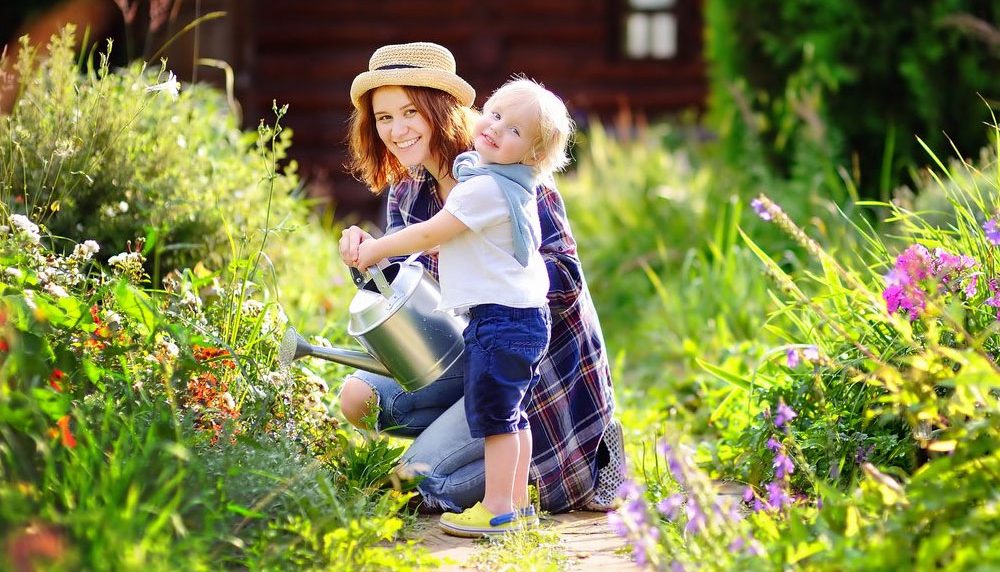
x=601 y=56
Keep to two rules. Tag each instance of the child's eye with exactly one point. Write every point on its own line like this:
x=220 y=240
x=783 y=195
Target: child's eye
x=495 y=115
x=515 y=131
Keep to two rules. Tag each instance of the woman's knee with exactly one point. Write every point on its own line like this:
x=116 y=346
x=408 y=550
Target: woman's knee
x=356 y=400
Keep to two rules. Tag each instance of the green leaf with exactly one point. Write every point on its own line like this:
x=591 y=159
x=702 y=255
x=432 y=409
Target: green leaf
x=137 y=305
x=243 y=511
x=726 y=376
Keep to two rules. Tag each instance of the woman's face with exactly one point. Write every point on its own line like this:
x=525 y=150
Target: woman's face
x=403 y=130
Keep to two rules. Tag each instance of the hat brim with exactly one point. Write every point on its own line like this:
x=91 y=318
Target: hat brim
x=421 y=77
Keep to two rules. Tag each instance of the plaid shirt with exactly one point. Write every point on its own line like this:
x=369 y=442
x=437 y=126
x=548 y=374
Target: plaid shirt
x=573 y=403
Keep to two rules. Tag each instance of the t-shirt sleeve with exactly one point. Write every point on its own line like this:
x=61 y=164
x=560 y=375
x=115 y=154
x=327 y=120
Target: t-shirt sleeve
x=478 y=202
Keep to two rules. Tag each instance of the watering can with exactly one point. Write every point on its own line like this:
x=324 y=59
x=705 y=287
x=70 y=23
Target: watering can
x=395 y=316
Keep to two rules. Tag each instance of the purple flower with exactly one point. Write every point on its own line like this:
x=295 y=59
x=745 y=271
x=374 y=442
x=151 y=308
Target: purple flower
x=783 y=466
x=994 y=299
x=629 y=490
x=776 y=495
x=861 y=455
x=760 y=209
x=811 y=353
x=784 y=415
x=773 y=444
x=737 y=545
x=675 y=462
x=971 y=286
x=903 y=290
x=748 y=494
x=617 y=524
x=792 y=356
x=634 y=511
x=668 y=507
x=992 y=231
x=696 y=518
x=917 y=273
x=643 y=544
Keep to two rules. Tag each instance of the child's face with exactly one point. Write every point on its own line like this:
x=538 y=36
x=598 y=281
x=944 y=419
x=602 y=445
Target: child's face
x=402 y=128
x=506 y=132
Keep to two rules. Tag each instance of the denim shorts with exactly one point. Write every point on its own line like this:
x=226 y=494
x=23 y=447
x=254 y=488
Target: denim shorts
x=503 y=348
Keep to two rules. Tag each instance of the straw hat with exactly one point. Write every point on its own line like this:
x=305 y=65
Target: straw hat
x=419 y=64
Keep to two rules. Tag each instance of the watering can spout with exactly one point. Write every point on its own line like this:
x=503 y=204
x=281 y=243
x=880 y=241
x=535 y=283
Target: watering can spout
x=294 y=346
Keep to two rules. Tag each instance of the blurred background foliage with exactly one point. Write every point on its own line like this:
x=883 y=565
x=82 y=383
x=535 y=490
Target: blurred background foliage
x=856 y=82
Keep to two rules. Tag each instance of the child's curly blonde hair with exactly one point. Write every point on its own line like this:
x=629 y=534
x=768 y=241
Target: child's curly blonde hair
x=555 y=127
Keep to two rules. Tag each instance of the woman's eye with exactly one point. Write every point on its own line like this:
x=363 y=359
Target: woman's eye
x=409 y=113
x=381 y=118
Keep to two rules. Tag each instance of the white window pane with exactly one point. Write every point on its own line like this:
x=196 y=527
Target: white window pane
x=651 y=4
x=663 y=43
x=637 y=36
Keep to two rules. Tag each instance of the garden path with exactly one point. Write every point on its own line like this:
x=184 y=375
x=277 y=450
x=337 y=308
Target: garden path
x=584 y=537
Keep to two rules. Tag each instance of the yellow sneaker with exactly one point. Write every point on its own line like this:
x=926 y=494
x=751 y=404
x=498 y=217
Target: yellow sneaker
x=478 y=521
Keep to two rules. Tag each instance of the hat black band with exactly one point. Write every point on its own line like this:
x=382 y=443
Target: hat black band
x=395 y=67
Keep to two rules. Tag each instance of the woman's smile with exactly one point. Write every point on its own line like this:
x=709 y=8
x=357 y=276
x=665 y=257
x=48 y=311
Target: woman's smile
x=407 y=143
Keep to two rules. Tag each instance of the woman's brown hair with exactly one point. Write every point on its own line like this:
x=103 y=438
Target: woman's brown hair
x=374 y=165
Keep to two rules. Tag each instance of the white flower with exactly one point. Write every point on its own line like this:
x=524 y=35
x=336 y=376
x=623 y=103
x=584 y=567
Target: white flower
x=86 y=250
x=22 y=224
x=252 y=308
x=123 y=206
x=171 y=86
x=56 y=290
x=14 y=272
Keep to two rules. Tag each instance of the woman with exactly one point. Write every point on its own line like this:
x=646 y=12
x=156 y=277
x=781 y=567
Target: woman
x=412 y=116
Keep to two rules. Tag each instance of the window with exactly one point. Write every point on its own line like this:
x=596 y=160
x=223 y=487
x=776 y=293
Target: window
x=650 y=29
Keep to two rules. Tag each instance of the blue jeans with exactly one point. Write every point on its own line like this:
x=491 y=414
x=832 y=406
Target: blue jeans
x=443 y=450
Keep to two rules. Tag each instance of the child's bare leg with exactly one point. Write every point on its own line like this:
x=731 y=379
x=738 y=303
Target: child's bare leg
x=521 y=499
x=502 y=455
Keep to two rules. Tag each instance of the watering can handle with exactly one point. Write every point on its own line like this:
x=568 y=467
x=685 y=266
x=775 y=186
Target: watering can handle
x=357 y=277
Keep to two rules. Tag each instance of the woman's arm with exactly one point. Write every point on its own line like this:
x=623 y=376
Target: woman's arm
x=559 y=250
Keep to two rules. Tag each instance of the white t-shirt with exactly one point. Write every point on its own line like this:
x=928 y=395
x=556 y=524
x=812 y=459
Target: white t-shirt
x=478 y=266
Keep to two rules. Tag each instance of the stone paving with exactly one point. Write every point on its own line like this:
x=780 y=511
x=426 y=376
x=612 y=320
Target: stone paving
x=586 y=540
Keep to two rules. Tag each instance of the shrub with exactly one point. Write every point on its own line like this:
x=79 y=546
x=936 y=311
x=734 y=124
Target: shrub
x=112 y=155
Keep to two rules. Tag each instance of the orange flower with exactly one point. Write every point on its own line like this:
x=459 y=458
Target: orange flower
x=67 y=437
x=203 y=353
x=55 y=378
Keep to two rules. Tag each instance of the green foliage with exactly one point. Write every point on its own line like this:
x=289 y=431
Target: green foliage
x=152 y=428
x=534 y=549
x=99 y=155
x=852 y=83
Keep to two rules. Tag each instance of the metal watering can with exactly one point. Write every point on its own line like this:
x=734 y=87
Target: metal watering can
x=394 y=316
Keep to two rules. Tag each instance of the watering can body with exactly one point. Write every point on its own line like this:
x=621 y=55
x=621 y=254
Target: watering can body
x=395 y=316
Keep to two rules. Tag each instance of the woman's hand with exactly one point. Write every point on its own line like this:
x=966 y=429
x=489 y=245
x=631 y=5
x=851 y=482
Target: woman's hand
x=350 y=239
